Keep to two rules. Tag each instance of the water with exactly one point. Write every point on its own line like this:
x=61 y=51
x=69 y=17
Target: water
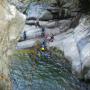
x=46 y=74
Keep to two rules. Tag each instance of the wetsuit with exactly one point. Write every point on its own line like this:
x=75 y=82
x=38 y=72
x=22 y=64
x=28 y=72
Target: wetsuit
x=24 y=35
x=43 y=32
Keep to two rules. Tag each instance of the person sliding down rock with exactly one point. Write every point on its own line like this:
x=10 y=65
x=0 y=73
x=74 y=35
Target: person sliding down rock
x=43 y=46
x=43 y=33
x=37 y=24
x=44 y=39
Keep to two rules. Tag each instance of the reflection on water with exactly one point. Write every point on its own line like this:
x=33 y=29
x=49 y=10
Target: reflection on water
x=45 y=74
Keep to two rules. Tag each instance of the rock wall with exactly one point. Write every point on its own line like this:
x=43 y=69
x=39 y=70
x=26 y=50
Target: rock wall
x=76 y=44
x=11 y=23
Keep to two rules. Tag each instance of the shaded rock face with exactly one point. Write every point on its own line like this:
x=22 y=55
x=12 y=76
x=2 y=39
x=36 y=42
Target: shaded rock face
x=38 y=10
x=76 y=44
x=85 y=5
x=11 y=23
x=22 y=5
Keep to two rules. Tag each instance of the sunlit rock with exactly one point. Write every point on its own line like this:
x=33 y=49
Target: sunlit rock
x=76 y=46
x=11 y=23
x=83 y=42
x=20 y=5
x=25 y=44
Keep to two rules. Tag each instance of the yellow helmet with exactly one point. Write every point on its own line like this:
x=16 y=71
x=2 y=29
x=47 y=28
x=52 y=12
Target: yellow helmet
x=42 y=49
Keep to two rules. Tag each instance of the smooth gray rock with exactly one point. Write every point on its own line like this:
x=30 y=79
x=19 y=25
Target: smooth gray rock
x=76 y=47
x=41 y=11
x=25 y=44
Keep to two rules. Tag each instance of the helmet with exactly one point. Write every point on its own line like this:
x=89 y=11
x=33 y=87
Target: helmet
x=42 y=49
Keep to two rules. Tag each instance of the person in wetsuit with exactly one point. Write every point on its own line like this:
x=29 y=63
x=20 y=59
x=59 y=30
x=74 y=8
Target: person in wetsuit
x=24 y=35
x=43 y=32
x=37 y=24
x=52 y=38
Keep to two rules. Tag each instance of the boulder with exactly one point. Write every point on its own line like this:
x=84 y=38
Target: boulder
x=82 y=37
x=67 y=44
x=31 y=32
x=25 y=44
x=76 y=46
x=11 y=24
x=42 y=11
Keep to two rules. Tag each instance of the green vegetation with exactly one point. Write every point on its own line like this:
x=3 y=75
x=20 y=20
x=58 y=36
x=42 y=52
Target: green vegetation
x=84 y=5
x=58 y=53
